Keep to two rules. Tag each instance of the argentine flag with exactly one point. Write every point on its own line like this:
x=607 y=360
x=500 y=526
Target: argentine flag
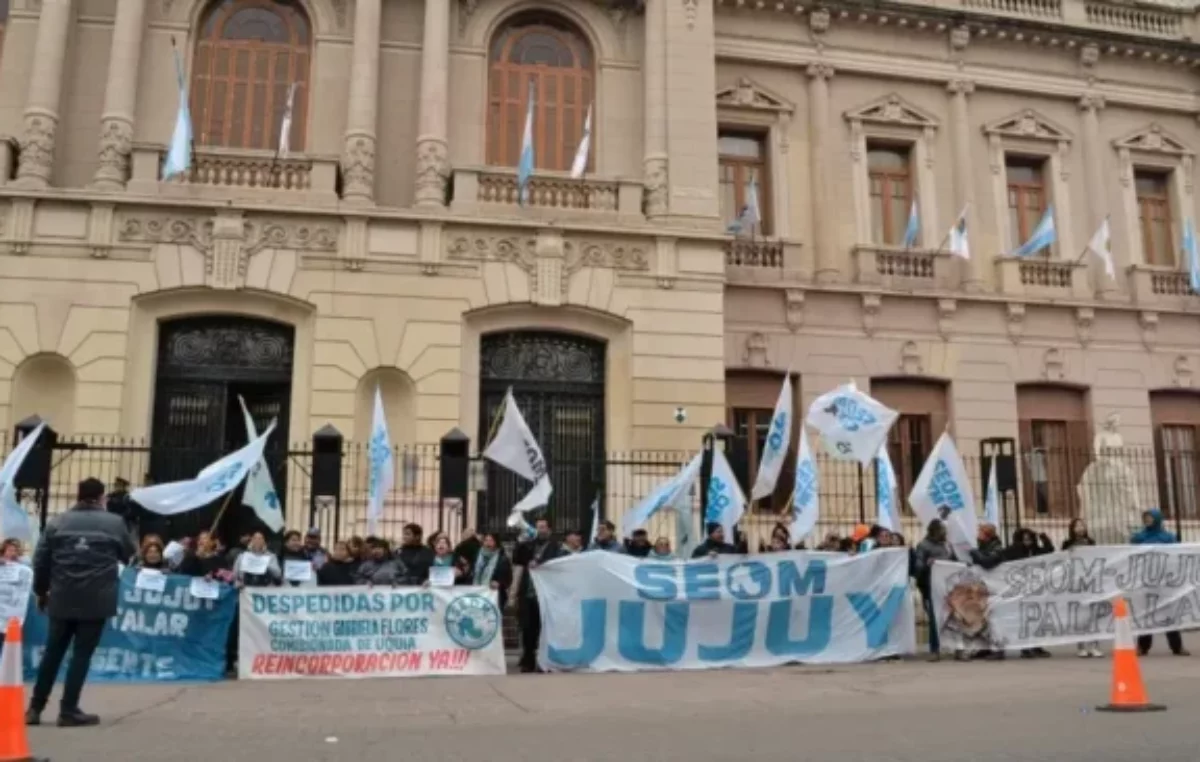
x=179 y=153
x=525 y=165
x=1192 y=252
x=914 y=226
x=1042 y=237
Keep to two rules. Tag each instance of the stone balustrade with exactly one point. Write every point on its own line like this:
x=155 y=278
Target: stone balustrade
x=897 y=269
x=1163 y=288
x=493 y=190
x=240 y=174
x=1039 y=278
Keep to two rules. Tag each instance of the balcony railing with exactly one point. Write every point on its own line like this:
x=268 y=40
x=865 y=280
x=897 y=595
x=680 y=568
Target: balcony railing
x=741 y=252
x=1133 y=19
x=494 y=190
x=240 y=173
x=1043 y=278
x=903 y=269
x=1162 y=288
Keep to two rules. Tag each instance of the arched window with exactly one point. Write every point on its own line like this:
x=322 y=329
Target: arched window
x=248 y=55
x=549 y=55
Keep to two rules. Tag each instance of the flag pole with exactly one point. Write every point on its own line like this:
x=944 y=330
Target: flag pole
x=220 y=513
x=193 y=131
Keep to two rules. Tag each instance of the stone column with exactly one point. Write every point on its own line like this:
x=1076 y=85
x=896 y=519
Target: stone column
x=964 y=190
x=433 y=163
x=358 y=151
x=1094 y=174
x=36 y=167
x=828 y=258
x=120 y=96
x=654 y=99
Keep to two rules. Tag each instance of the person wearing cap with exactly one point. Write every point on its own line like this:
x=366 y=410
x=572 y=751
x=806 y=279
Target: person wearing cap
x=714 y=544
x=76 y=583
x=312 y=548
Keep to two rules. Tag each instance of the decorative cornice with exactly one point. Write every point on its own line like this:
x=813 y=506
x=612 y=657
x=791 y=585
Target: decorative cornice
x=892 y=109
x=748 y=94
x=1153 y=138
x=1027 y=124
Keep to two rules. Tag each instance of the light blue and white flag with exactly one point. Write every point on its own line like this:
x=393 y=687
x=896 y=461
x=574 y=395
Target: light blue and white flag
x=806 y=497
x=853 y=425
x=1042 y=237
x=285 y=124
x=750 y=215
x=674 y=494
x=943 y=491
x=595 y=521
x=1192 y=252
x=382 y=475
x=525 y=165
x=1101 y=246
x=991 y=500
x=726 y=502
x=212 y=483
x=260 y=492
x=14 y=520
x=914 y=226
x=514 y=447
x=179 y=152
x=888 y=513
x=779 y=438
x=685 y=533
x=959 y=244
x=579 y=166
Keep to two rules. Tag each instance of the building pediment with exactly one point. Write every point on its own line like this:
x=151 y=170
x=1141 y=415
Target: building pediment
x=747 y=94
x=894 y=110
x=1153 y=138
x=1027 y=124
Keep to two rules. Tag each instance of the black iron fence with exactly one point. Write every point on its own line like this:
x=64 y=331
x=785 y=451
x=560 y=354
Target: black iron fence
x=326 y=485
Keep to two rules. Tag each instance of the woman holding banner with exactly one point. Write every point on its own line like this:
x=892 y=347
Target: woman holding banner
x=492 y=568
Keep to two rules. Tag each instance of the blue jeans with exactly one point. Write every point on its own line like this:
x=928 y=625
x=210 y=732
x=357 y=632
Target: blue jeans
x=935 y=643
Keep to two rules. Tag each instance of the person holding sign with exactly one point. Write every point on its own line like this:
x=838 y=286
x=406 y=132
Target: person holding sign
x=298 y=568
x=75 y=579
x=446 y=571
x=151 y=556
x=257 y=566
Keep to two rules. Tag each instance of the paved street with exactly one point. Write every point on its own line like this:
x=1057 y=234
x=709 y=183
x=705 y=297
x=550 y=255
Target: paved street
x=913 y=711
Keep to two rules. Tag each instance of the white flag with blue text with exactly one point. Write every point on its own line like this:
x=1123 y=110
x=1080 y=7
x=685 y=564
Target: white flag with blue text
x=179 y=152
x=515 y=448
x=853 y=425
x=806 y=498
x=260 y=492
x=885 y=492
x=382 y=475
x=674 y=493
x=212 y=483
x=943 y=491
x=778 y=439
x=14 y=521
x=726 y=502
x=991 y=500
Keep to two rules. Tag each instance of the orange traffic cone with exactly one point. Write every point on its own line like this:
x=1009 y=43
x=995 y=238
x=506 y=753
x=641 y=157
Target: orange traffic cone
x=1128 y=691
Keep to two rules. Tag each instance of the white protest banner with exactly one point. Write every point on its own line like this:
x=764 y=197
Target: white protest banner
x=605 y=612
x=260 y=492
x=779 y=437
x=16 y=584
x=515 y=448
x=853 y=425
x=1064 y=598
x=674 y=494
x=369 y=632
x=210 y=484
x=14 y=520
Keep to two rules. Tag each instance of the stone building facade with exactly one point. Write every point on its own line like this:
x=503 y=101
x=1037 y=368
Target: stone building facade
x=386 y=248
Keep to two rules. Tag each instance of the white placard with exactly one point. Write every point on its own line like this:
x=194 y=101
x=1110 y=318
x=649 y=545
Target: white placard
x=152 y=580
x=205 y=589
x=10 y=572
x=254 y=563
x=173 y=552
x=297 y=571
x=441 y=576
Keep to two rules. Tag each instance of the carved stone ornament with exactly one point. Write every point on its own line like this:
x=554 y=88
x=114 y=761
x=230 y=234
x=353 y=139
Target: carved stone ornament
x=196 y=232
x=116 y=140
x=297 y=236
x=36 y=163
x=872 y=305
x=1027 y=125
x=1089 y=54
x=910 y=359
x=609 y=256
x=1148 y=321
x=960 y=36
x=519 y=250
x=818 y=21
x=746 y=94
x=1183 y=372
x=946 y=308
x=1052 y=365
x=793 y=308
x=358 y=167
x=655 y=169
x=1015 y=314
x=892 y=110
x=754 y=354
x=690 y=9
x=1085 y=317
x=1153 y=139
x=433 y=170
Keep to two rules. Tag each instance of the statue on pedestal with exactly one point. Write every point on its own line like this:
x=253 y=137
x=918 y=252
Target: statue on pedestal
x=1108 y=491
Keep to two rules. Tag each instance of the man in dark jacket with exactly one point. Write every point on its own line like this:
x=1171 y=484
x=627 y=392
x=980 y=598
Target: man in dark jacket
x=714 y=544
x=529 y=556
x=75 y=579
x=414 y=555
x=1153 y=533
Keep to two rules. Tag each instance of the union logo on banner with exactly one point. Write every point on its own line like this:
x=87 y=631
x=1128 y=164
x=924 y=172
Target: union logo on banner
x=851 y=415
x=806 y=483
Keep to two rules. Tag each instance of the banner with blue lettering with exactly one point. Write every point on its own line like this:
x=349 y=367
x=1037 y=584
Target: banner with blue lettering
x=606 y=612
x=155 y=636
